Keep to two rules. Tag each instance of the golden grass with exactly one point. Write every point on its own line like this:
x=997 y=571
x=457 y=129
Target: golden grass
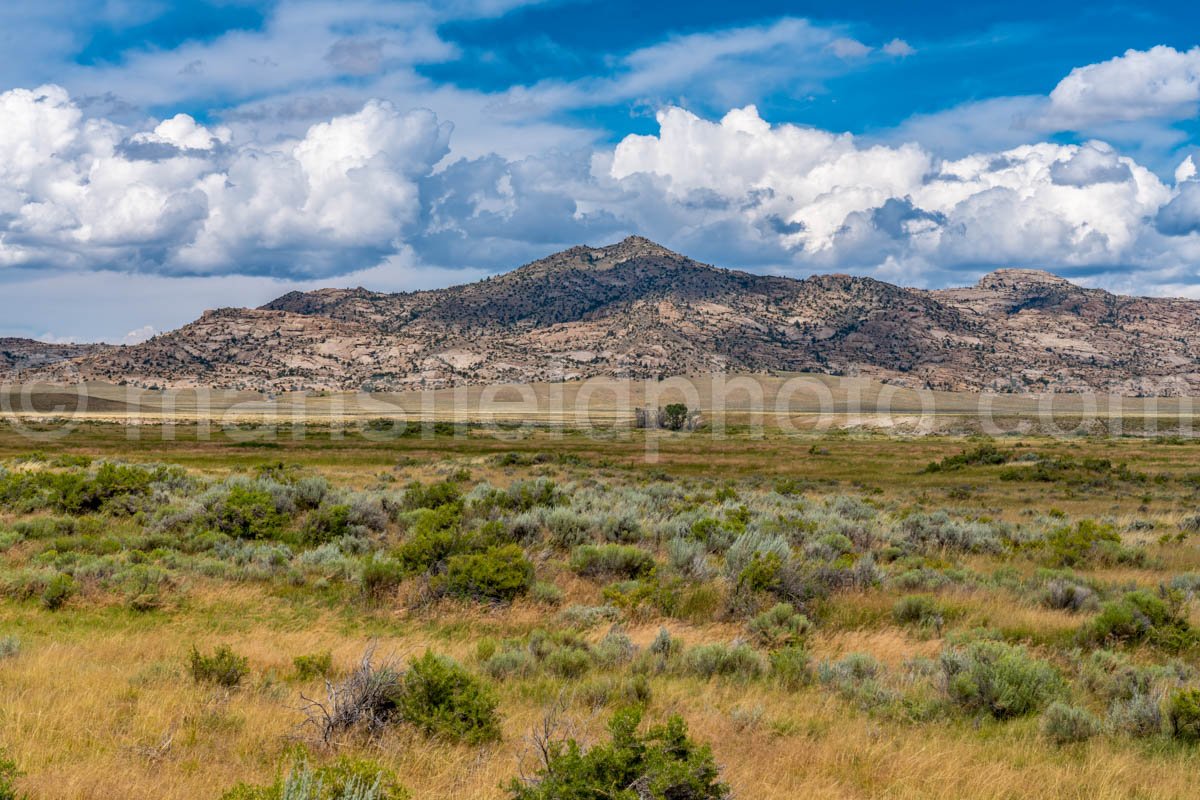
x=103 y=714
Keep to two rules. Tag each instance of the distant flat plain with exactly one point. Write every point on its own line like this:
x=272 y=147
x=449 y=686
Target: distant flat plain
x=775 y=402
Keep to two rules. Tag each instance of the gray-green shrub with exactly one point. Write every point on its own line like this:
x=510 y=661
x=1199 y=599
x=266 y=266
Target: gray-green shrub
x=724 y=660
x=1066 y=724
x=779 y=626
x=616 y=560
x=999 y=679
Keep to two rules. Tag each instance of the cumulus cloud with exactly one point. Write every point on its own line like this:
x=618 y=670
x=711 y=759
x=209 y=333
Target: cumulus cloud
x=819 y=200
x=1161 y=82
x=73 y=193
x=364 y=188
x=184 y=133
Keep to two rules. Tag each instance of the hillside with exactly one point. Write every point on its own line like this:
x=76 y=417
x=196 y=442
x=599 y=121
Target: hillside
x=18 y=356
x=637 y=309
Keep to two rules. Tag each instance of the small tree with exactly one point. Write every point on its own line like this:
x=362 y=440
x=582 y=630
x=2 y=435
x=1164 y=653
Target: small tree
x=675 y=416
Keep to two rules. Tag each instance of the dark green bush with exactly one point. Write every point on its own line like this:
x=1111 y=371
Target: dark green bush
x=764 y=573
x=58 y=591
x=380 y=576
x=113 y=487
x=1183 y=714
x=662 y=764
x=1096 y=473
x=223 y=667
x=435 y=495
x=443 y=699
x=616 y=560
x=433 y=536
x=313 y=665
x=999 y=679
x=499 y=573
x=674 y=416
x=326 y=524
x=984 y=454
x=247 y=513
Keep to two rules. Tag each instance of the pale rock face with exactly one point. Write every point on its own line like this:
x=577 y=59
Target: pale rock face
x=639 y=310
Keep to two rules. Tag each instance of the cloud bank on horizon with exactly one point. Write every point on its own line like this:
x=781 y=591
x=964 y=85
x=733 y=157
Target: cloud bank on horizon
x=180 y=162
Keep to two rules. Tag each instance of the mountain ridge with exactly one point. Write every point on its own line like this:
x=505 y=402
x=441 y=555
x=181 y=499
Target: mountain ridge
x=638 y=309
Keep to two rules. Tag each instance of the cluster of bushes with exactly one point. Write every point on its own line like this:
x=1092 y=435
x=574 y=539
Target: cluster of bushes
x=1087 y=543
x=611 y=561
x=564 y=654
x=433 y=693
x=661 y=764
x=111 y=488
x=982 y=455
x=280 y=524
x=938 y=532
x=1141 y=616
x=1093 y=473
x=479 y=563
x=982 y=678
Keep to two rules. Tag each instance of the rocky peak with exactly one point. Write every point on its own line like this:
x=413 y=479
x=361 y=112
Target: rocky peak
x=639 y=246
x=1005 y=280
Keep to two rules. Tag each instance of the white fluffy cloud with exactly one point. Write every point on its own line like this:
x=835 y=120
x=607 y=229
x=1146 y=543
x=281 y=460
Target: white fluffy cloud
x=1161 y=82
x=181 y=198
x=809 y=198
x=184 y=133
x=355 y=191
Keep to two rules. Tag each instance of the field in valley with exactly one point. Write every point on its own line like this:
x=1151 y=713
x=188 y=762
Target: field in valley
x=836 y=613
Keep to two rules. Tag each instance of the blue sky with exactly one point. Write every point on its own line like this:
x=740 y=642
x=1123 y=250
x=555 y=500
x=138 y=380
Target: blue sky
x=159 y=158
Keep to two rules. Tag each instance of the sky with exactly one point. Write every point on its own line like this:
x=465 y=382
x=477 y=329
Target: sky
x=161 y=158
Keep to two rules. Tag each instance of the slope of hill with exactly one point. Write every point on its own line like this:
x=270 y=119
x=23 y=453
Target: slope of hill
x=19 y=356
x=637 y=309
